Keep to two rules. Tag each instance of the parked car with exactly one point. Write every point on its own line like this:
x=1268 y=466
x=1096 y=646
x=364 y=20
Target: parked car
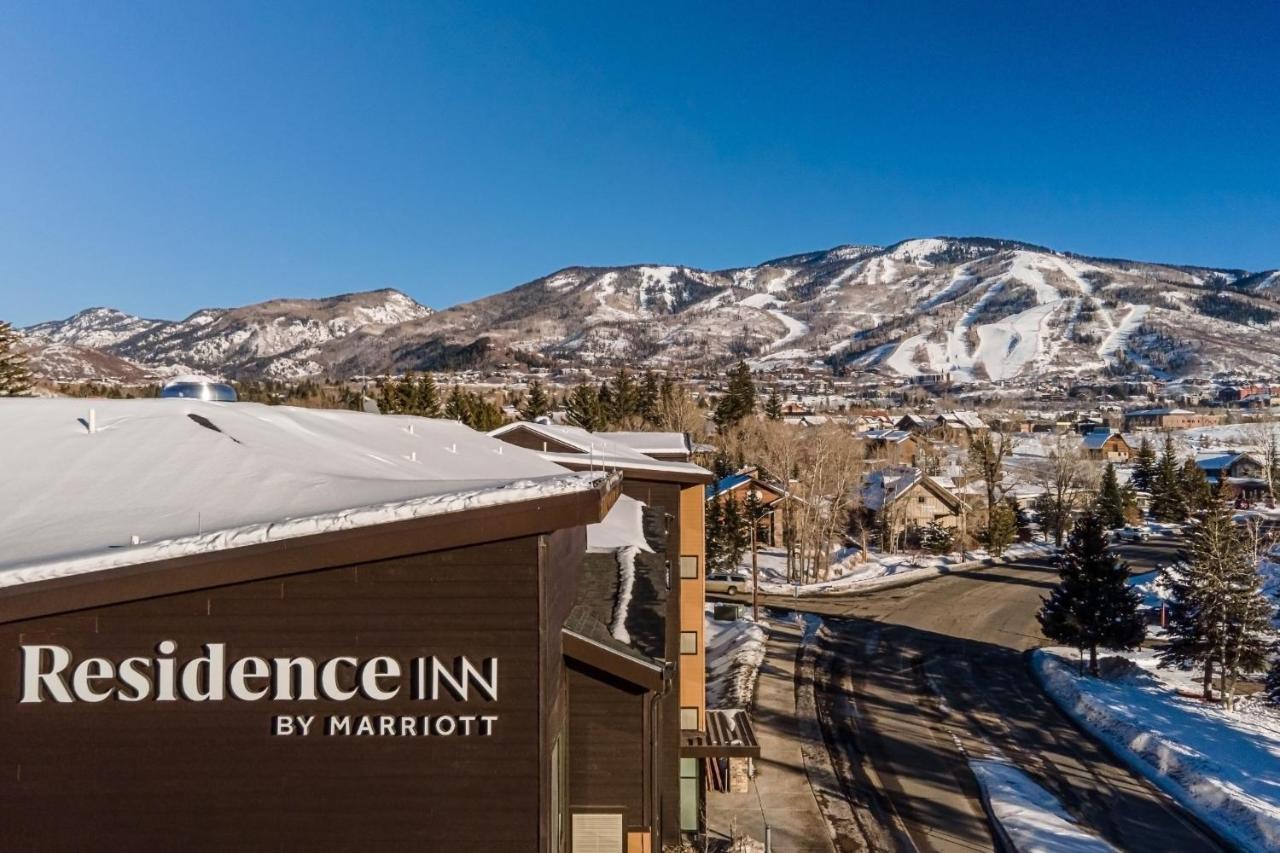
x=1133 y=534
x=729 y=584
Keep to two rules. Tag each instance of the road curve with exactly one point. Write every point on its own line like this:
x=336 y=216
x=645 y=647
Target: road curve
x=911 y=680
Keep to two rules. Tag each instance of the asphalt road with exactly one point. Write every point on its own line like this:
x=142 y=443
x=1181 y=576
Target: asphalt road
x=912 y=680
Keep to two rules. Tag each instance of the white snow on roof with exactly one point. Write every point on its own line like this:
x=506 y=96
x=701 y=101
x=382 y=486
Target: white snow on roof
x=597 y=449
x=186 y=476
x=651 y=442
x=623 y=527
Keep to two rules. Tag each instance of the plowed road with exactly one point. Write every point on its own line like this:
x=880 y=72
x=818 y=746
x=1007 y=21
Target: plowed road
x=911 y=680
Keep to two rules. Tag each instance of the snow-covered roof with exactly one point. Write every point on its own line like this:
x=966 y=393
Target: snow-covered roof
x=1097 y=439
x=652 y=442
x=963 y=419
x=185 y=476
x=1160 y=411
x=601 y=449
x=886 y=485
x=623 y=527
x=891 y=436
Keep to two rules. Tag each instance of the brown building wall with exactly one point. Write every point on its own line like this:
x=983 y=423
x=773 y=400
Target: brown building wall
x=608 y=743
x=211 y=776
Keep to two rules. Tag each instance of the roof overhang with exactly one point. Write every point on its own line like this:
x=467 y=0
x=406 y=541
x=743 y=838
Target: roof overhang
x=687 y=474
x=309 y=553
x=729 y=734
x=647 y=675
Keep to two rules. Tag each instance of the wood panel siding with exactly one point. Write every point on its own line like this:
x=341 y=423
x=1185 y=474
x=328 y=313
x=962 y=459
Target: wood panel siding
x=199 y=776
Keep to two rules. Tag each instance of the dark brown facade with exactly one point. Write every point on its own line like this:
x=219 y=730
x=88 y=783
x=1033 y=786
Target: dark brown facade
x=188 y=774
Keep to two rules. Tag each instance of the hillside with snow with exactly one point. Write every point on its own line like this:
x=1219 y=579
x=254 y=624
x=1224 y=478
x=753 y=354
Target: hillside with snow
x=964 y=310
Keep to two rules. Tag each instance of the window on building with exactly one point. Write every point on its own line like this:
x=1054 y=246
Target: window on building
x=689 y=718
x=597 y=833
x=688 y=566
x=688 y=642
x=690 y=795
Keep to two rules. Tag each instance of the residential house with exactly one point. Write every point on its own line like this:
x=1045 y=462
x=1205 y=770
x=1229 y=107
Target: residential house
x=958 y=427
x=737 y=487
x=895 y=446
x=1239 y=475
x=900 y=498
x=1105 y=445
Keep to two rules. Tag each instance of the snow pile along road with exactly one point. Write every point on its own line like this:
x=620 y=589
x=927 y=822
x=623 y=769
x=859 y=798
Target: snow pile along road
x=735 y=650
x=1029 y=818
x=1220 y=765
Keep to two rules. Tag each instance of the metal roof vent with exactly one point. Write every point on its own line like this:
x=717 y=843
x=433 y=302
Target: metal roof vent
x=198 y=388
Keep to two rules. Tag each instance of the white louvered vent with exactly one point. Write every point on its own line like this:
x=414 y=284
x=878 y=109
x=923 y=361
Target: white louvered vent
x=597 y=833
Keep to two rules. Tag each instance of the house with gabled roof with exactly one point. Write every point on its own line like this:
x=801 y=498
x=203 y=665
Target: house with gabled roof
x=1107 y=446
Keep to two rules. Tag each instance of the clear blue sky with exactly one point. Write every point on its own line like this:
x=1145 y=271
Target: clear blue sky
x=160 y=157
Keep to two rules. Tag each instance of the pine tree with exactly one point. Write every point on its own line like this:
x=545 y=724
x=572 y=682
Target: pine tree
x=1272 y=460
x=15 y=377
x=624 y=399
x=650 y=396
x=390 y=401
x=937 y=539
x=455 y=407
x=1273 y=678
x=736 y=534
x=1093 y=605
x=713 y=533
x=1197 y=492
x=739 y=400
x=1110 y=504
x=428 y=397
x=536 y=404
x=773 y=406
x=1219 y=618
x=1002 y=528
x=1167 y=503
x=1144 y=466
x=583 y=408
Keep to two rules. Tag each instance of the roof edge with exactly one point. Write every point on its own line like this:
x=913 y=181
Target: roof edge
x=296 y=555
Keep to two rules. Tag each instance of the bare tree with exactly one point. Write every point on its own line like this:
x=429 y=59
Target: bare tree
x=1066 y=474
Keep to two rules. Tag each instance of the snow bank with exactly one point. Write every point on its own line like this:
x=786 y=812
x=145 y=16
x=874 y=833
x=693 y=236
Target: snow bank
x=849 y=574
x=1220 y=765
x=1030 y=818
x=735 y=650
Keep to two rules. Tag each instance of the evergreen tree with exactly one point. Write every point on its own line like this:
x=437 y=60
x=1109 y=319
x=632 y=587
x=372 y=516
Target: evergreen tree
x=1167 y=503
x=739 y=400
x=1051 y=515
x=583 y=408
x=713 y=533
x=624 y=401
x=1219 y=618
x=736 y=533
x=537 y=403
x=937 y=539
x=773 y=406
x=1272 y=460
x=1273 y=679
x=390 y=401
x=1197 y=492
x=650 y=396
x=1093 y=605
x=15 y=377
x=1110 y=503
x=427 y=397
x=1002 y=528
x=1144 y=466
x=455 y=407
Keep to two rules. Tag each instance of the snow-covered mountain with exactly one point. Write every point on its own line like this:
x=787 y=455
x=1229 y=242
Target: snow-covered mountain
x=278 y=339
x=972 y=309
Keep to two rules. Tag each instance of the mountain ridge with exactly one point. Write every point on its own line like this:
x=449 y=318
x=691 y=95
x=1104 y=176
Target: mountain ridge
x=967 y=309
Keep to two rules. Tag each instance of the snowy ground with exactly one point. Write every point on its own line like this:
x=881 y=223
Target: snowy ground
x=848 y=573
x=1222 y=765
x=1028 y=816
x=735 y=651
